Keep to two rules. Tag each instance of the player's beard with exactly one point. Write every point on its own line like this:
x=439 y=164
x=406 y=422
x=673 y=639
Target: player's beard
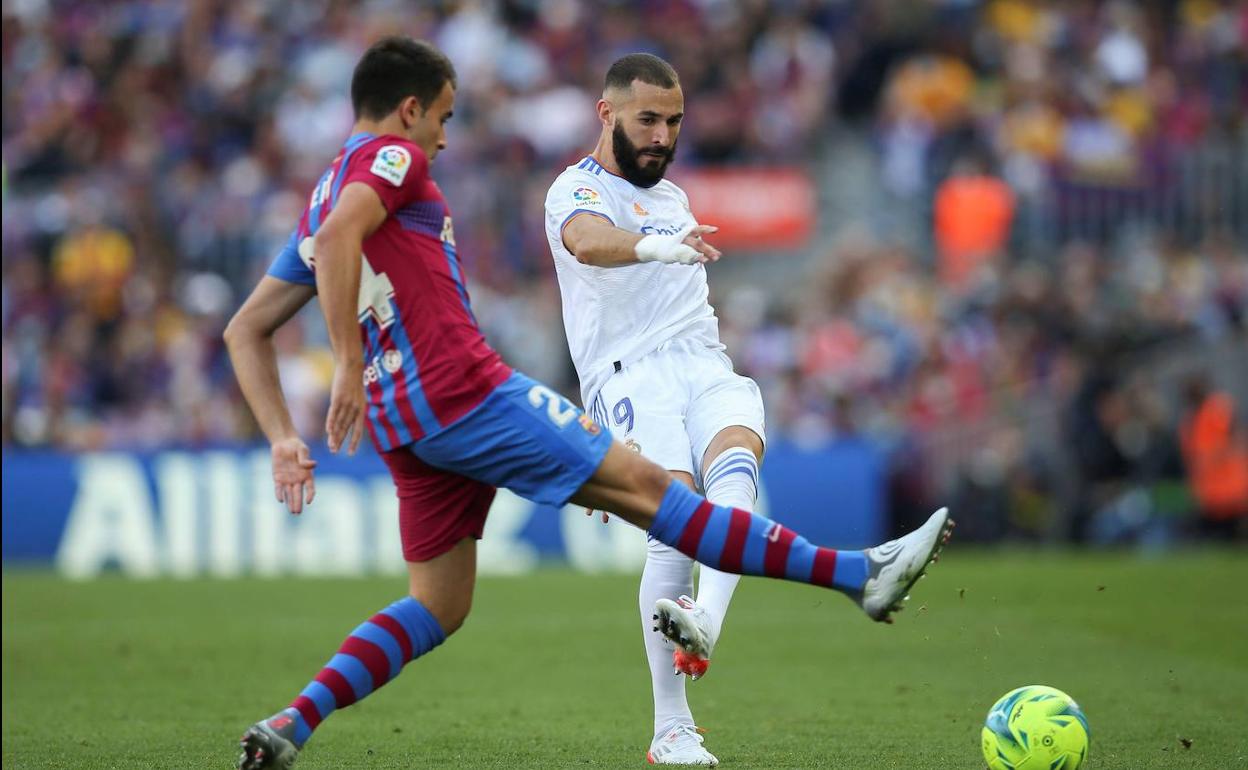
x=628 y=157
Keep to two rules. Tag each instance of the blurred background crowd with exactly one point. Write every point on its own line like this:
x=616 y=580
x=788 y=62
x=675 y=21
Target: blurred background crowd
x=1027 y=282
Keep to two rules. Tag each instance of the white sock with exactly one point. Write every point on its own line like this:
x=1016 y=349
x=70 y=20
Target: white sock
x=730 y=479
x=667 y=575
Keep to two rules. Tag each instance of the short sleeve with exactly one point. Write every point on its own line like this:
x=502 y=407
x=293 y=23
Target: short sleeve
x=287 y=266
x=684 y=199
x=395 y=169
x=572 y=194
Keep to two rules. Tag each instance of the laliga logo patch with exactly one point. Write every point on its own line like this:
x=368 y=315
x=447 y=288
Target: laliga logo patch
x=392 y=360
x=395 y=157
x=584 y=196
x=392 y=163
x=589 y=425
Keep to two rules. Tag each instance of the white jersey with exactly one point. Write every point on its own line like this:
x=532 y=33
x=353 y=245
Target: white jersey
x=615 y=316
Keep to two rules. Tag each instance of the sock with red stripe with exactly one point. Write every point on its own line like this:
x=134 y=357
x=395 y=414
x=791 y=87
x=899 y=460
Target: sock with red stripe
x=372 y=655
x=733 y=540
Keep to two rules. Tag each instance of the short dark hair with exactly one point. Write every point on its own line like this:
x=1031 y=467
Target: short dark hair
x=645 y=67
x=395 y=68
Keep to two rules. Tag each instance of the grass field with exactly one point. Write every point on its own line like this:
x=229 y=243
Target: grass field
x=549 y=671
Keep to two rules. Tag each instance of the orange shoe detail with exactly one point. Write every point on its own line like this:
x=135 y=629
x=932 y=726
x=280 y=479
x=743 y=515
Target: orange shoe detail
x=690 y=665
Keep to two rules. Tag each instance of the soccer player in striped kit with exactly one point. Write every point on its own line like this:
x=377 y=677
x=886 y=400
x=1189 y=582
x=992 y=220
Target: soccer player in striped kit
x=452 y=421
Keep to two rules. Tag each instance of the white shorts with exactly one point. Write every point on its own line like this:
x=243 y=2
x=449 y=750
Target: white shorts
x=671 y=404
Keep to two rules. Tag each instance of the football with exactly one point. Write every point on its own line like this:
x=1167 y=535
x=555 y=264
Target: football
x=1035 y=728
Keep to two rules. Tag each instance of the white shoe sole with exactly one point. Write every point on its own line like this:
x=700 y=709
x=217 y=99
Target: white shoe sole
x=678 y=625
x=711 y=762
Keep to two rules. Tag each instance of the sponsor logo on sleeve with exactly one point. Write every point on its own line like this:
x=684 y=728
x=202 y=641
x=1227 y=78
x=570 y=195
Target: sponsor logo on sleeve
x=392 y=163
x=586 y=196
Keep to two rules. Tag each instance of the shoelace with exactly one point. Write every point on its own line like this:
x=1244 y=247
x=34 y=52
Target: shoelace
x=690 y=731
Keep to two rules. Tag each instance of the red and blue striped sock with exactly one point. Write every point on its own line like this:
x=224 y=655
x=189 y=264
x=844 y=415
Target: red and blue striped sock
x=733 y=540
x=372 y=655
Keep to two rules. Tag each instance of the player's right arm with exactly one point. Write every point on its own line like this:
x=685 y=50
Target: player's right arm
x=593 y=240
x=339 y=254
x=580 y=212
x=249 y=340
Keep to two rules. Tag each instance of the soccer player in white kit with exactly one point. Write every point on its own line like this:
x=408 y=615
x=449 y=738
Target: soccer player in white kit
x=645 y=341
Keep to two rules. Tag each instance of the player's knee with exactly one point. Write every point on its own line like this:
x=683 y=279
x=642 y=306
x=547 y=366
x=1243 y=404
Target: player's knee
x=661 y=553
x=449 y=611
x=734 y=436
x=453 y=620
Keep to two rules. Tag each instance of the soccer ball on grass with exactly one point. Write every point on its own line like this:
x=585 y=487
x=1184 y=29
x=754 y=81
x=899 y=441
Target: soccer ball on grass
x=1035 y=728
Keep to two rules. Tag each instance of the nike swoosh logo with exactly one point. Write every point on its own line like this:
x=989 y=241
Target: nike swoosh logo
x=773 y=534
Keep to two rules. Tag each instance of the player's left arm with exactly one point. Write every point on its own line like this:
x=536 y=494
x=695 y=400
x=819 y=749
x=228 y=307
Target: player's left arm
x=249 y=340
x=338 y=252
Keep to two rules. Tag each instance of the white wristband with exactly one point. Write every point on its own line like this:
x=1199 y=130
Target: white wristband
x=669 y=249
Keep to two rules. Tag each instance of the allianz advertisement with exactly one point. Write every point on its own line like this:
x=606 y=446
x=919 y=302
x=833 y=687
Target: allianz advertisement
x=212 y=513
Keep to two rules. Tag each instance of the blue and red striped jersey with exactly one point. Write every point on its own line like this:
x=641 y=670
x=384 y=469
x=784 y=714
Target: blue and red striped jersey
x=426 y=363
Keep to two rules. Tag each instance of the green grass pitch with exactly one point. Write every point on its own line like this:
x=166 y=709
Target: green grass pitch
x=549 y=670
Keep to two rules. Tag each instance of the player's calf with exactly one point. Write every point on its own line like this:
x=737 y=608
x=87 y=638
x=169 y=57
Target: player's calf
x=371 y=656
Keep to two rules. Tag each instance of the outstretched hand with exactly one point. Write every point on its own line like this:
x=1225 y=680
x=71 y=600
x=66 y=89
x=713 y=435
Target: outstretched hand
x=293 y=483
x=706 y=252
x=685 y=247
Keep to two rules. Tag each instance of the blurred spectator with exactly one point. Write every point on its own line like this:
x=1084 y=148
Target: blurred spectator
x=1215 y=448
x=973 y=212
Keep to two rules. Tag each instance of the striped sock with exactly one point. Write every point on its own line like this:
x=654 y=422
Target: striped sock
x=730 y=480
x=372 y=655
x=733 y=473
x=745 y=543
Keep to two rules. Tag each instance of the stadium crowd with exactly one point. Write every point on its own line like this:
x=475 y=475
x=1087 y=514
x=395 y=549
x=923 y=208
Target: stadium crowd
x=156 y=156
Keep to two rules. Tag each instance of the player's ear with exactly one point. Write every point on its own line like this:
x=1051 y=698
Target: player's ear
x=410 y=111
x=606 y=113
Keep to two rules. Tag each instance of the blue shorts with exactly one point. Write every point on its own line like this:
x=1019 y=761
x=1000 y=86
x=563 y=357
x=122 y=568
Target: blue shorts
x=524 y=437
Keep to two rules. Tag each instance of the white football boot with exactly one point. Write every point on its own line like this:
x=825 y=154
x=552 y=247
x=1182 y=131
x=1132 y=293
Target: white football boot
x=895 y=566
x=682 y=745
x=689 y=627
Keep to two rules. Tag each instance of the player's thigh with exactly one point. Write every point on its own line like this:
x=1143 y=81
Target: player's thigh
x=723 y=401
x=644 y=407
x=525 y=437
x=626 y=484
x=437 y=508
x=444 y=584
